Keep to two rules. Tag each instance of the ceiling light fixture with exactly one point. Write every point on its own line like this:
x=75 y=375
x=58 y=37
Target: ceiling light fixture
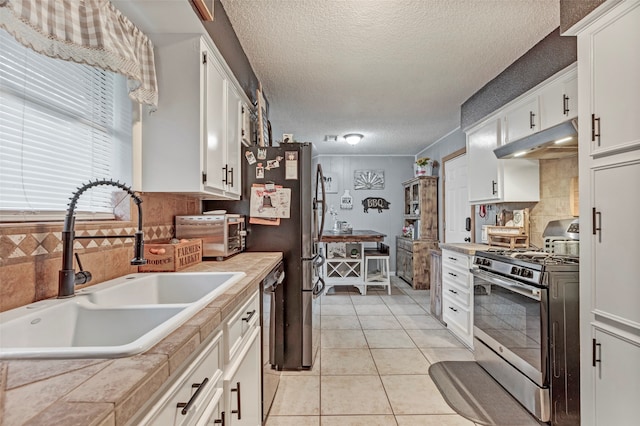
x=353 y=138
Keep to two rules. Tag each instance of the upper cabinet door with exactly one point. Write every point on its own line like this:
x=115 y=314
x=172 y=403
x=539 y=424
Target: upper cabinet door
x=615 y=79
x=483 y=164
x=234 y=136
x=215 y=122
x=559 y=100
x=522 y=120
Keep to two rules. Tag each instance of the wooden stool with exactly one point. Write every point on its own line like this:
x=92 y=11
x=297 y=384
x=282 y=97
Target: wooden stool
x=381 y=276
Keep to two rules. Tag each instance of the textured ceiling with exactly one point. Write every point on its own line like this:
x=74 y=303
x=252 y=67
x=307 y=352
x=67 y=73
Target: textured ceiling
x=396 y=71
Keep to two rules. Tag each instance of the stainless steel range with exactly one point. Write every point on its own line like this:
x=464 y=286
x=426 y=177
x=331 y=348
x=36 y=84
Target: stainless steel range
x=526 y=328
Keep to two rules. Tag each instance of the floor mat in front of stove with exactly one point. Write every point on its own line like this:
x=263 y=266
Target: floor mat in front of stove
x=474 y=394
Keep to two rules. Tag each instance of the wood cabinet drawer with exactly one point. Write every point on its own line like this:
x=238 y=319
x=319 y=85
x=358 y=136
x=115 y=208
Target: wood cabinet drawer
x=197 y=386
x=404 y=244
x=239 y=324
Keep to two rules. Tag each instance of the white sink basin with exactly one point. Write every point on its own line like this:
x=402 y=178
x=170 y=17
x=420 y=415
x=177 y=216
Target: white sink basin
x=152 y=289
x=117 y=318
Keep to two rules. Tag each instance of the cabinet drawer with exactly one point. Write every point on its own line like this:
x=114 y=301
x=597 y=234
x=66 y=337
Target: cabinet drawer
x=456 y=277
x=404 y=244
x=458 y=318
x=460 y=296
x=239 y=324
x=198 y=384
x=453 y=259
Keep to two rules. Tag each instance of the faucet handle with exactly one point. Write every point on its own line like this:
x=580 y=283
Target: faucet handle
x=83 y=276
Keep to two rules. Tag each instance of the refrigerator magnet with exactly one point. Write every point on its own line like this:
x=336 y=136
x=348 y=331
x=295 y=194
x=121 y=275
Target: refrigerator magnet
x=259 y=171
x=291 y=165
x=262 y=153
x=251 y=159
x=272 y=164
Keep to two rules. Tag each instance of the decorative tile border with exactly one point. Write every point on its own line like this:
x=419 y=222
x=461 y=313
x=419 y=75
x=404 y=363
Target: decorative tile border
x=22 y=246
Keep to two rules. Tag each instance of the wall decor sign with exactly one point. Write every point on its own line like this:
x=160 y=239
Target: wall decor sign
x=330 y=184
x=346 y=200
x=375 y=203
x=368 y=179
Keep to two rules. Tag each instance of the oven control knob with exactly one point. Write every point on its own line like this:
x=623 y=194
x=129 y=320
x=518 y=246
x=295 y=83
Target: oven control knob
x=486 y=262
x=526 y=273
x=515 y=271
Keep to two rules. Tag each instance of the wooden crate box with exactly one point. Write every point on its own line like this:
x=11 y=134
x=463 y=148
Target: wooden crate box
x=167 y=257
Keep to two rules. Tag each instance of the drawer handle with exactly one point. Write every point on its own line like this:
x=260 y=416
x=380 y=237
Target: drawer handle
x=455 y=259
x=249 y=315
x=187 y=405
x=453 y=291
x=452 y=274
x=237 y=390
x=453 y=309
x=220 y=420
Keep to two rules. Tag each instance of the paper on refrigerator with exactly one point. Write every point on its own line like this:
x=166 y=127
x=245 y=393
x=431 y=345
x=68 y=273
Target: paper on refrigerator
x=270 y=202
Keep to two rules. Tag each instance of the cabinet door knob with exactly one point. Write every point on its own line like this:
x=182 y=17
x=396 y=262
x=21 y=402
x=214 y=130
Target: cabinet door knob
x=532 y=122
x=565 y=104
x=595 y=134
x=238 y=411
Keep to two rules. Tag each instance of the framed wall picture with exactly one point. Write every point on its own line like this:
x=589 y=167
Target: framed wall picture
x=368 y=179
x=330 y=183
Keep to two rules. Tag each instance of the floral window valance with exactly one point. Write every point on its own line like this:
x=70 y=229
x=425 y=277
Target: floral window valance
x=91 y=32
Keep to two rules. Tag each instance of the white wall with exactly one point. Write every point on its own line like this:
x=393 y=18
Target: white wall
x=397 y=169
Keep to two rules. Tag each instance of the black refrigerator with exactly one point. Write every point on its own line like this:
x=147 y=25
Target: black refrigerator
x=288 y=168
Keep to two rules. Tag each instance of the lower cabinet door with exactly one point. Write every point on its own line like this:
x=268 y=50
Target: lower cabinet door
x=616 y=380
x=242 y=385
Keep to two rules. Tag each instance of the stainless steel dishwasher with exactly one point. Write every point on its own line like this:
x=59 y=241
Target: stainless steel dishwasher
x=270 y=375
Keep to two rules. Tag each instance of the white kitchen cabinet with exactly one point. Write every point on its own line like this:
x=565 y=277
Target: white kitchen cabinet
x=615 y=214
x=246 y=125
x=234 y=133
x=609 y=161
x=492 y=180
x=191 y=144
x=482 y=162
x=522 y=119
x=242 y=385
x=559 y=99
x=207 y=390
x=612 y=75
x=616 y=379
x=190 y=394
x=457 y=295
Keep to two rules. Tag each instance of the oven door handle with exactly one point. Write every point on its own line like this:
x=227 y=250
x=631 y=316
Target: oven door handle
x=523 y=289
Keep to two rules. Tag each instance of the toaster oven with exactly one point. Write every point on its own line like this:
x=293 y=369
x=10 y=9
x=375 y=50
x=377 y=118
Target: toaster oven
x=222 y=235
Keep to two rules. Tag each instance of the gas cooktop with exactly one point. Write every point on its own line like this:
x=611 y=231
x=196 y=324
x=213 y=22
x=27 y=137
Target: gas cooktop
x=524 y=265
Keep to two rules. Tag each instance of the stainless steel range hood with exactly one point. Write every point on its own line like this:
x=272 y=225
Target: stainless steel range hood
x=555 y=142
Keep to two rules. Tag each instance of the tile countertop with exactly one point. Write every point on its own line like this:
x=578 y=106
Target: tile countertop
x=464 y=248
x=101 y=392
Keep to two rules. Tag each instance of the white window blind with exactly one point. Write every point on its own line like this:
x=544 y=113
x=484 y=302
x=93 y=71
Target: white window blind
x=61 y=125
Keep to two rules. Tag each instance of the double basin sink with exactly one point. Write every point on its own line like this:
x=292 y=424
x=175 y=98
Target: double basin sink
x=117 y=318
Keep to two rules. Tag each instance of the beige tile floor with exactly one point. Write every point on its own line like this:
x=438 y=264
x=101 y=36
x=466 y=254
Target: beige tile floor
x=373 y=364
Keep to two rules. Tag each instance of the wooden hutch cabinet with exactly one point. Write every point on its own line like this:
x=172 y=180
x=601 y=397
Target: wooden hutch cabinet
x=421 y=214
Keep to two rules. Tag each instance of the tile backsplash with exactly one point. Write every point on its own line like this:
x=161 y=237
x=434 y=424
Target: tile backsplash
x=30 y=253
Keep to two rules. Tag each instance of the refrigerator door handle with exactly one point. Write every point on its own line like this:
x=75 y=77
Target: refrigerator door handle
x=317 y=259
x=318 y=289
x=320 y=185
